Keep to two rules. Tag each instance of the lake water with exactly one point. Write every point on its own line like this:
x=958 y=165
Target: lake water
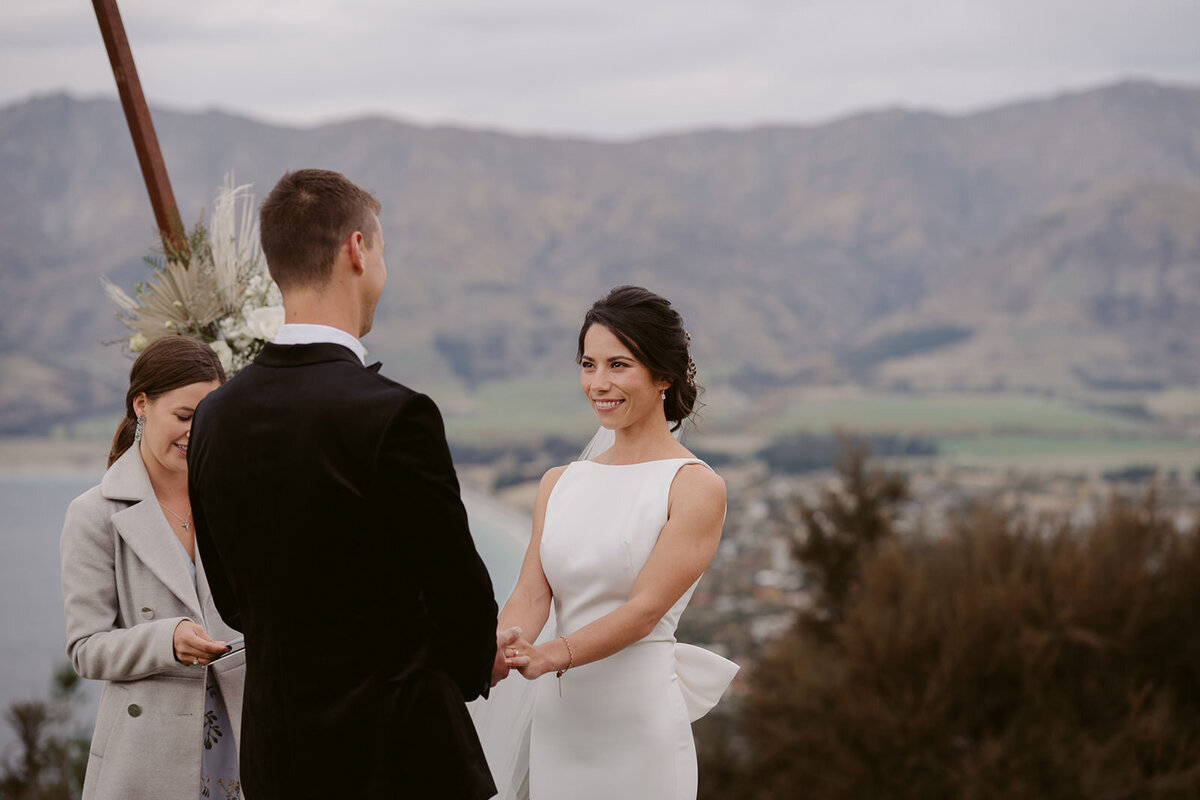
x=32 y=628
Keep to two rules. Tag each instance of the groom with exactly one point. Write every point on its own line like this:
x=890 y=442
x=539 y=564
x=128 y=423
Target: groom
x=328 y=515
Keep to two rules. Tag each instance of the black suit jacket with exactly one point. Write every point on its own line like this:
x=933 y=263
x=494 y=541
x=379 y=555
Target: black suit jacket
x=328 y=514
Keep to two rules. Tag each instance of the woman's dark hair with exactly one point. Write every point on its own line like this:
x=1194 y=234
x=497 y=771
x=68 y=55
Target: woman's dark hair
x=165 y=364
x=648 y=325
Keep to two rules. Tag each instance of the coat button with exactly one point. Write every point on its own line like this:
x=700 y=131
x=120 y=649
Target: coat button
x=134 y=710
x=147 y=613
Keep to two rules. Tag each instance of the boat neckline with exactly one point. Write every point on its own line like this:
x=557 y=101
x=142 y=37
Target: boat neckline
x=639 y=463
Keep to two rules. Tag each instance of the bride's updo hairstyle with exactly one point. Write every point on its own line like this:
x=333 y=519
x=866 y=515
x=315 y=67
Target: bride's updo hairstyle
x=167 y=363
x=653 y=330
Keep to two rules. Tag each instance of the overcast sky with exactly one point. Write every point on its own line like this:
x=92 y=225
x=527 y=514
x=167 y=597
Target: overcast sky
x=617 y=68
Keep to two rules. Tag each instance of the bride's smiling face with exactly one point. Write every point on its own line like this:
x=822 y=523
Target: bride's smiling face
x=169 y=425
x=620 y=388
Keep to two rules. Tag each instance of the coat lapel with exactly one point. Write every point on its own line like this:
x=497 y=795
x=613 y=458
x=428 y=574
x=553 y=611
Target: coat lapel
x=146 y=530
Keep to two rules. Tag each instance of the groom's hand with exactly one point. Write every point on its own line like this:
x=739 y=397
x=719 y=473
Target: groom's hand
x=504 y=640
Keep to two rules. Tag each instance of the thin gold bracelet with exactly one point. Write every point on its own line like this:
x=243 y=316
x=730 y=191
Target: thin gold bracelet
x=570 y=657
x=570 y=661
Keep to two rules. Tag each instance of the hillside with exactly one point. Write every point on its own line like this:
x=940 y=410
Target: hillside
x=1051 y=244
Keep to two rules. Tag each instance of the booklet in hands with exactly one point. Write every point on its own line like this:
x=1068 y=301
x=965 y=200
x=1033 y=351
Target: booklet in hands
x=234 y=645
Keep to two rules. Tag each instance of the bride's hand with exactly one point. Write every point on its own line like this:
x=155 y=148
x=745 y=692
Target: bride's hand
x=535 y=661
x=526 y=658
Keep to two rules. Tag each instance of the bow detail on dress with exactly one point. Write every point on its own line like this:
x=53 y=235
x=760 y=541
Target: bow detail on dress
x=703 y=678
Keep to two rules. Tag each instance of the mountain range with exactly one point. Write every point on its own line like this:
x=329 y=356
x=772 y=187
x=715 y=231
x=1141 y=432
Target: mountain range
x=1052 y=244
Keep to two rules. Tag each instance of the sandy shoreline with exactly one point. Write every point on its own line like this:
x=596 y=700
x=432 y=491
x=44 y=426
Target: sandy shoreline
x=33 y=457
x=29 y=456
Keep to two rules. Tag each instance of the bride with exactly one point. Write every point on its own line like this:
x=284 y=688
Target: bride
x=619 y=542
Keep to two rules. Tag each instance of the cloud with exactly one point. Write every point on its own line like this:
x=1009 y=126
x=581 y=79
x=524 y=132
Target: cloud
x=614 y=69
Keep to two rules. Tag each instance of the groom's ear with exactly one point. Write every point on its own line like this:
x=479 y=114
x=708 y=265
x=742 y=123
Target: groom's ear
x=354 y=248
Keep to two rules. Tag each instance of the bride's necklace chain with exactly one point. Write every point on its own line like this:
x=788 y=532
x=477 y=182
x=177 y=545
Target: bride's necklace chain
x=186 y=523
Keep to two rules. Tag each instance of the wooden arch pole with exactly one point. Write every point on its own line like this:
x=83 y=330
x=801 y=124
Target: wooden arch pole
x=141 y=127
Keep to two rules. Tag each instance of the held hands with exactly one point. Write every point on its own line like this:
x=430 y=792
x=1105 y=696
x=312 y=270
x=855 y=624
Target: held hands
x=504 y=645
x=514 y=651
x=193 y=646
x=531 y=660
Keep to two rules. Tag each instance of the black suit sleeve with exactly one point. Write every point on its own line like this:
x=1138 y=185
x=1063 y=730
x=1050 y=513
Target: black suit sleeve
x=417 y=483
x=214 y=567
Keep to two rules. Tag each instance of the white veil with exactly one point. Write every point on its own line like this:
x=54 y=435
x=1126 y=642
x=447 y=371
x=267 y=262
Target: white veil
x=502 y=722
x=603 y=440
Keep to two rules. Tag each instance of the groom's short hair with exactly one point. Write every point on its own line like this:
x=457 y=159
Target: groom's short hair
x=305 y=220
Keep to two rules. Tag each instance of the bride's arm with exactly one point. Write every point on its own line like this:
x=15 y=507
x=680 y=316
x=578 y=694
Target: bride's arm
x=684 y=549
x=528 y=606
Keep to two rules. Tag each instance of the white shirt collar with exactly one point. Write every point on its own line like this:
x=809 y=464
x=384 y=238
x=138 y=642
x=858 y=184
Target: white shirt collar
x=307 y=333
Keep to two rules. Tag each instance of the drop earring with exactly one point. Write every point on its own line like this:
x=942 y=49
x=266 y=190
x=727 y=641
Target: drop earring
x=140 y=429
x=664 y=395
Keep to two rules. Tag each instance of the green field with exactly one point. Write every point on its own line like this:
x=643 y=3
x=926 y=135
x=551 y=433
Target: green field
x=1089 y=454
x=1009 y=429
x=515 y=410
x=941 y=415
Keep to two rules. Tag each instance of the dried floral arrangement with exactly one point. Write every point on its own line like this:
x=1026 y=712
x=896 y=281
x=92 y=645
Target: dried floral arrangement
x=217 y=291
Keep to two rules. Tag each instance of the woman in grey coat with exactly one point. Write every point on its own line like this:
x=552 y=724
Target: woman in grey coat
x=139 y=614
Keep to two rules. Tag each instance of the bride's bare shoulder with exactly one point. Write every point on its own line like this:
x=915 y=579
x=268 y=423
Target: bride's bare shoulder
x=549 y=480
x=552 y=475
x=698 y=480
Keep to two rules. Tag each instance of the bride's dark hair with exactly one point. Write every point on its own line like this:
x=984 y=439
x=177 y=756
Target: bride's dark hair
x=648 y=325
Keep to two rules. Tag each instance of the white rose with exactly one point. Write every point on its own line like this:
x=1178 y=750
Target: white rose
x=264 y=323
x=232 y=329
x=138 y=342
x=223 y=353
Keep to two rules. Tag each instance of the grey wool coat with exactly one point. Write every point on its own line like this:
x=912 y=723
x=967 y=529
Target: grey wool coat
x=125 y=588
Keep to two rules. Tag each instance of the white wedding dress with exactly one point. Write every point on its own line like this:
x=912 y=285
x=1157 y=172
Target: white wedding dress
x=619 y=727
